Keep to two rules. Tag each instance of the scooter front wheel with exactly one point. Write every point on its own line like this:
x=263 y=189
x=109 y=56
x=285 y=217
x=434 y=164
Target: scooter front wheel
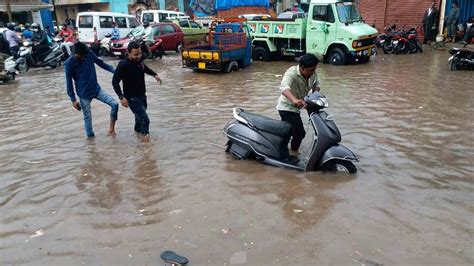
x=340 y=166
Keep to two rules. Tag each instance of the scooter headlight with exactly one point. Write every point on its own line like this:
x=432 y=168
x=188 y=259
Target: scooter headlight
x=322 y=102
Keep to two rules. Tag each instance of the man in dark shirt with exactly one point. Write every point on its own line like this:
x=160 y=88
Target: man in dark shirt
x=131 y=71
x=81 y=69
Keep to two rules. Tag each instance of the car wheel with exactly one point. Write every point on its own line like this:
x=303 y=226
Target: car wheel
x=179 y=48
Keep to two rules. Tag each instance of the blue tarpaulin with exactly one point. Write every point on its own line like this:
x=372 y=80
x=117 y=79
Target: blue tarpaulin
x=227 y=4
x=203 y=8
x=466 y=9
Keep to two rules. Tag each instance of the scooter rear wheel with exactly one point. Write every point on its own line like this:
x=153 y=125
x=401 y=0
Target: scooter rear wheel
x=340 y=166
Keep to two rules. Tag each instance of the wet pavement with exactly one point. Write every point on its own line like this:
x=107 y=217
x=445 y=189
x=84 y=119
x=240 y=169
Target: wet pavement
x=66 y=200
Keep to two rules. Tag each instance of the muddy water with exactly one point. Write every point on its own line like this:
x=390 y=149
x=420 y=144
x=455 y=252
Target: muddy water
x=67 y=200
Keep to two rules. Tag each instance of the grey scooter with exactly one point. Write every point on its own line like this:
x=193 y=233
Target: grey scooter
x=265 y=139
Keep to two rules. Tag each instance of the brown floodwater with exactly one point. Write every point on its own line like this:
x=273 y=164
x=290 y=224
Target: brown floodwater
x=67 y=200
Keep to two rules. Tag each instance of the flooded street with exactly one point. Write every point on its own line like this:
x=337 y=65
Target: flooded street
x=66 y=200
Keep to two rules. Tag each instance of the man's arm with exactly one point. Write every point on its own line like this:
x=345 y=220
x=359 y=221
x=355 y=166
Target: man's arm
x=285 y=88
x=150 y=72
x=102 y=64
x=118 y=76
x=116 y=80
x=69 y=85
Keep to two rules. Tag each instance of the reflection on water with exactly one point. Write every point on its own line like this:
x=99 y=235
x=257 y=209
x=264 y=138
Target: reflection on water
x=119 y=201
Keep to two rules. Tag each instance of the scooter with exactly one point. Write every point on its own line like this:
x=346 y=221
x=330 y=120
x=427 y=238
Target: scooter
x=7 y=69
x=255 y=136
x=461 y=58
x=53 y=59
x=104 y=47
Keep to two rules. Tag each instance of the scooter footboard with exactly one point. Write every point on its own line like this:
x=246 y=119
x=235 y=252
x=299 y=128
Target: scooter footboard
x=338 y=152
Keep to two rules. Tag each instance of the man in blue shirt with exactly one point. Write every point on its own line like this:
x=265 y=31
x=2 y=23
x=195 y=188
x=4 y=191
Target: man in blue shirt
x=115 y=32
x=27 y=33
x=81 y=69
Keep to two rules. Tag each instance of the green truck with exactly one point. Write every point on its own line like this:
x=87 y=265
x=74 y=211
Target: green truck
x=333 y=30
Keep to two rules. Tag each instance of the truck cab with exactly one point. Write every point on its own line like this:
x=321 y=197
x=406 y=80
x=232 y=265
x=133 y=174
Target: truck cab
x=333 y=30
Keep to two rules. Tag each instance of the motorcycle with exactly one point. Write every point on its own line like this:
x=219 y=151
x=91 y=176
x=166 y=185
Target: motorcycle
x=156 y=49
x=401 y=41
x=406 y=42
x=7 y=69
x=60 y=41
x=255 y=136
x=461 y=58
x=105 y=43
x=53 y=58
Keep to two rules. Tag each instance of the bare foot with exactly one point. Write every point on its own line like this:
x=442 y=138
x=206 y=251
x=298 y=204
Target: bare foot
x=112 y=134
x=146 y=138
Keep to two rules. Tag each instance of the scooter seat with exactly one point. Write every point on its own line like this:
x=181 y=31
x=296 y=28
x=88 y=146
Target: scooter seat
x=269 y=125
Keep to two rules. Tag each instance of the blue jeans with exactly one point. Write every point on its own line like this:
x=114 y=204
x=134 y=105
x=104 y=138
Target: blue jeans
x=86 y=110
x=138 y=105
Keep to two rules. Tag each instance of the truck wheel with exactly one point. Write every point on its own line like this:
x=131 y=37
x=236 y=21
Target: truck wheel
x=337 y=57
x=232 y=66
x=261 y=54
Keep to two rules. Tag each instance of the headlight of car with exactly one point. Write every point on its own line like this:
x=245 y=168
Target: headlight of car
x=125 y=45
x=215 y=55
x=185 y=54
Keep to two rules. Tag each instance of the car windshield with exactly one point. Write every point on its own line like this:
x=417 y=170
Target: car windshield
x=348 y=12
x=137 y=31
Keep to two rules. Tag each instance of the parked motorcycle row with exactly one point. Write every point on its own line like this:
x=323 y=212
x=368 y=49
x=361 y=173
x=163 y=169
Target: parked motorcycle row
x=25 y=59
x=399 y=41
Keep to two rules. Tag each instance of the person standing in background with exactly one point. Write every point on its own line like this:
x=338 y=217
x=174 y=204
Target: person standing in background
x=429 y=23
x=452 y=21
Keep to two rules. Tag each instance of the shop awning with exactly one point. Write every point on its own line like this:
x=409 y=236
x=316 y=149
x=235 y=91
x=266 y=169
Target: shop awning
x=24 y=5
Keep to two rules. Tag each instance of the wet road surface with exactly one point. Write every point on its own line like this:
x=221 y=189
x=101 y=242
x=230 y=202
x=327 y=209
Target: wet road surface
x=66 y=200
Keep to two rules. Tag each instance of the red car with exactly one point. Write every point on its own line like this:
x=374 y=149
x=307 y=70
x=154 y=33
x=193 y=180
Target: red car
x=169 y=33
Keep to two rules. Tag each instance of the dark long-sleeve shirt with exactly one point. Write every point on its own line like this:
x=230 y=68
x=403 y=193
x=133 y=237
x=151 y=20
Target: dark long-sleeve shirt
x=132 y=75
x=84 y=76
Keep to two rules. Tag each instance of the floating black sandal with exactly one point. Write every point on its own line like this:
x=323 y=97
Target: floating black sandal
x=173 y=258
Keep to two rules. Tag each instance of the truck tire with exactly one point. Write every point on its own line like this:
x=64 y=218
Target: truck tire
x=261 y=54
x=337 y=57
x=231 y=66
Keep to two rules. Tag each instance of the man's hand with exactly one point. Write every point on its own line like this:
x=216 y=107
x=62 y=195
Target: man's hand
x=158 y=79
x=299 y=103
x=76 y=105
x=124 y=102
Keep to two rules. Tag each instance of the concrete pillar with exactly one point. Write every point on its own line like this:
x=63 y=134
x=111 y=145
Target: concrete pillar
x=441 y=18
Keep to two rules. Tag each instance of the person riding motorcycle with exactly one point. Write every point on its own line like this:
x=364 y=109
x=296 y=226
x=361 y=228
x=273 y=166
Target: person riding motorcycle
x=13 y=39
x=148 y=37
x=40 y=43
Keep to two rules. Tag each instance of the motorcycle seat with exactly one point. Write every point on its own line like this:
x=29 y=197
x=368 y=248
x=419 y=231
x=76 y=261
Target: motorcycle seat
x=269 y=125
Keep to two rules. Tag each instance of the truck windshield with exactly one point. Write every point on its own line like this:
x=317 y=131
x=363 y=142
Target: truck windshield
x=348 y=12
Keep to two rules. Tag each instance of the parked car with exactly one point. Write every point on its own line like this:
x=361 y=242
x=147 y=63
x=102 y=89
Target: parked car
x=93 y=26
x=191 y=29
x=171 y=35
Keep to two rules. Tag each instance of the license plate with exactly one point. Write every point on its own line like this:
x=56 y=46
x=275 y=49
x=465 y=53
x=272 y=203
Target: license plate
x=202 y=65
x=117 y=53
x=396 y=42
